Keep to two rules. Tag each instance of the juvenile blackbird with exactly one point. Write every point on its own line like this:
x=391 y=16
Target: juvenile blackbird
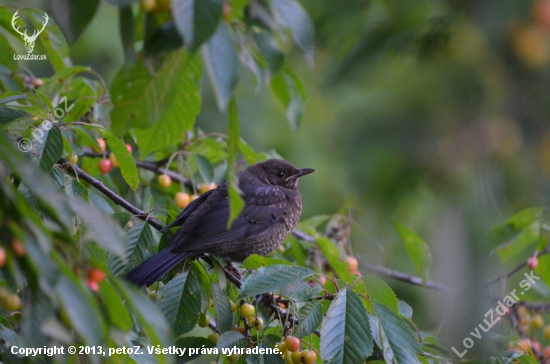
x=272 y=208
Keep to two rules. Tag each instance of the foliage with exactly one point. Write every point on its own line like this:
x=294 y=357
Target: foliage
x=70 y=229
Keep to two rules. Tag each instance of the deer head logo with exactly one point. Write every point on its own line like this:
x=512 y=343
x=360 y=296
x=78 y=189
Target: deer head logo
x=29 y=40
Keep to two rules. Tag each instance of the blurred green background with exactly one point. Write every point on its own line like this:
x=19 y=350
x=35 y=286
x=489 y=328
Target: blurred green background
x=431 y=112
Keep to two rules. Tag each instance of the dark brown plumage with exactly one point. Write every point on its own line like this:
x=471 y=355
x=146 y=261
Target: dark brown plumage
x=273 y=206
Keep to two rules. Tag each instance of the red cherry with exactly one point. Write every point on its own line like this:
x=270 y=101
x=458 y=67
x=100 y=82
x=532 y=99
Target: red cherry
x=292 y=344
x=96 y=275
x=129 y=147
x=532 y=263
x=93 y=286
x=105 y=166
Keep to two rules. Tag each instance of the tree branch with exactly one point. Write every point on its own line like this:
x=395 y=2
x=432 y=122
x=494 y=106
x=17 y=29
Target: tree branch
x=76 y=171
x=405 y=277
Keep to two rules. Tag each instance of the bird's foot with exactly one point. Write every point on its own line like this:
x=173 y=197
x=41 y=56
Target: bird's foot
x=233 y=274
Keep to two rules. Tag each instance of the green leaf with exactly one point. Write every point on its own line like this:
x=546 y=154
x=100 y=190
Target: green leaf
x=99 y=202
x=380 y=292
x=6 y=54
x=222 y=64
x=205 y=168
x=193 y=342
x=291 y=14
x=196 y=20
x=150 y=319
x=301 y=291
x=517 y=233
x=117 y=311
x=231 y=339
x=74 y=16
x=290 y=92
x=418 y=250
x=73 y=188
x=255 y=261
x=180 y=302
x=83 y=315
x=52 y=86
x=310 y=317
x=270 y=50
x=8 y=114
x=164 y=105
x=399 y=342
x=85 y=139
x=272 y=278
x=405 y=309
x=345 y=335
x=47 y=147
x=127 y=29
x=222 y=309
x=121 y=3
x=236 y=203
x=140 y=247
x=124 y=157
x=332 y=254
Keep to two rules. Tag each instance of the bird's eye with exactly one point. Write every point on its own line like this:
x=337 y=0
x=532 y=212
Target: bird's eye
x=280 y=174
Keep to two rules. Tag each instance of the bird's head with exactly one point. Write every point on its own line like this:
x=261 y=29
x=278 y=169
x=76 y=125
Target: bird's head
x=280 y=173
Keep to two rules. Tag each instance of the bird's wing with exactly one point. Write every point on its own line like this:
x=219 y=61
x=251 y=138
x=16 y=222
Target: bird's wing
x=263 y=206
x=189 y=209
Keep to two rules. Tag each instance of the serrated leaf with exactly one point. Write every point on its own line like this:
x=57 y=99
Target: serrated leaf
x=180 y=302
x=231 y=339
x=310 y=317
x=179 y=114
x=8 y=115
x=73 y=188
x=272 y=278
x=301 y=291
x=48 y=149
x=398 y=342
x=142 y=99
x=417 y=249
x=256 y=261
x=125 y=159
x=196 y=20
x=345 y=335
x=222 y=64
x=380 y=292
x=222 y=309
x=140 y=247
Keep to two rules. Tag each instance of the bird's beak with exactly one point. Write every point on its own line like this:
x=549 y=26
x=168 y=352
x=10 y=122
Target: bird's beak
x=302 y=172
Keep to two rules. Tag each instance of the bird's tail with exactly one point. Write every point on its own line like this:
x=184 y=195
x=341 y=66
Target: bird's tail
x=155 y=267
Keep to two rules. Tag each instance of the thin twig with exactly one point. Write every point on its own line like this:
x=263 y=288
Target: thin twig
x=515 y=269
x=75 y=170
x=405 y=277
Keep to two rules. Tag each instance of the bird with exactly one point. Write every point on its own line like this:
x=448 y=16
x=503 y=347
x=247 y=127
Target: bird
x=273 y=206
